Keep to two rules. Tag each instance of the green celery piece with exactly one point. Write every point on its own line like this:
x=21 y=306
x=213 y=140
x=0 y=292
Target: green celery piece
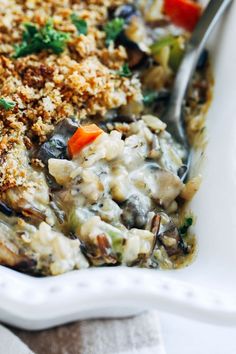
x=80 y=24
x=176 y=55
x=77 y=217
x=161 y=43
x=176 y=52
x=116 y=235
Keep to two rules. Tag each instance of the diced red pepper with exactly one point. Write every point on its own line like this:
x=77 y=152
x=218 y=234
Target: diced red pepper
x=183 y=13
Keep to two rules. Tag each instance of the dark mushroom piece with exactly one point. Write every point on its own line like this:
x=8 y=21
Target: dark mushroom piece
x=101 y=253
x=136 y=56
x=11 y=259
x=161 y=102
x=6 y=209
x=142 y=258
x=126 y=12
x=170 y=233
x=182 y=171
x=163 y=22
x=27 y=266
x=52 y=183
x=56 y=146
x=60 y=214
x=155 y=227
x=157 y=101
x=22 y=209
x=66 y=127
x=134 y=213
x=168 y=236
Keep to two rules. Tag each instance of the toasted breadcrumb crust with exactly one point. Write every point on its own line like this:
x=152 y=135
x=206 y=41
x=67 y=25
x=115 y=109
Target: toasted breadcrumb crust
x=81 y=82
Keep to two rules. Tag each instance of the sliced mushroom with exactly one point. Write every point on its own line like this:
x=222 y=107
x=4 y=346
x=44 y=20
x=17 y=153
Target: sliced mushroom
x=155 y=227
x=100 y=253
x=170 y=238
x=134 y=212
x=161 y=102
x=26 y=209
x=162 y=22
x=156 y=222
x=60 y=214
x=134 y=38
x=66 y=127
x=14 y=260
x=6 y=209
x=22 y=208
x=136 y=56
x=182 y=171
x=167 y=235
x=126 y=12
x=56 y=146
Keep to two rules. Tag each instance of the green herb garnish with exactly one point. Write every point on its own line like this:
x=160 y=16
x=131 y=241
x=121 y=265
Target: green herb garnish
x=80 y=24
x=183 y=230
x=7 y=105
x=124 y=71
x=35 y=40
x=113 y=29
x=149 y=97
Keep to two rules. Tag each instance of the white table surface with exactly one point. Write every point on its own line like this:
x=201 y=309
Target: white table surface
x=183 y=336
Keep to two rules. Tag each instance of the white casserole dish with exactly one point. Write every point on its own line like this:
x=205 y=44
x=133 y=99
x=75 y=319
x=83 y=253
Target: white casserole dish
x=37 y=303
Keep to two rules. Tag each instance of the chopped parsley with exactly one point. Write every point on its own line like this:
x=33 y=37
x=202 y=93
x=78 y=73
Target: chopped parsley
x=80 y=24
x=35 y=40
x=183 y=230
x=113 y=29
x=7 y=105
x=149 y=97
x=124 y=71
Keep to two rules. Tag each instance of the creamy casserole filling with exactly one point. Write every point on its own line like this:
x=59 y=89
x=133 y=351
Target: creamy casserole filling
x=89 y=174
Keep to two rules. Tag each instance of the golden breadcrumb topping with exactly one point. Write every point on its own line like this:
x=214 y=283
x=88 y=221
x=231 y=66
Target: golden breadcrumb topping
x=82 y=82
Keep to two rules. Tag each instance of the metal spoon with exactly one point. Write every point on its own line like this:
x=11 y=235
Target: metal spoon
x=174 y=113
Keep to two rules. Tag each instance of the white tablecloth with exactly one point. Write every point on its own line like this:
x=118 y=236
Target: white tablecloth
x=183 y=336
x=141 y=335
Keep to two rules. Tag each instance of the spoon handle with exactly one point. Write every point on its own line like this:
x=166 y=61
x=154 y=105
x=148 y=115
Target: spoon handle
x=209 y=18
